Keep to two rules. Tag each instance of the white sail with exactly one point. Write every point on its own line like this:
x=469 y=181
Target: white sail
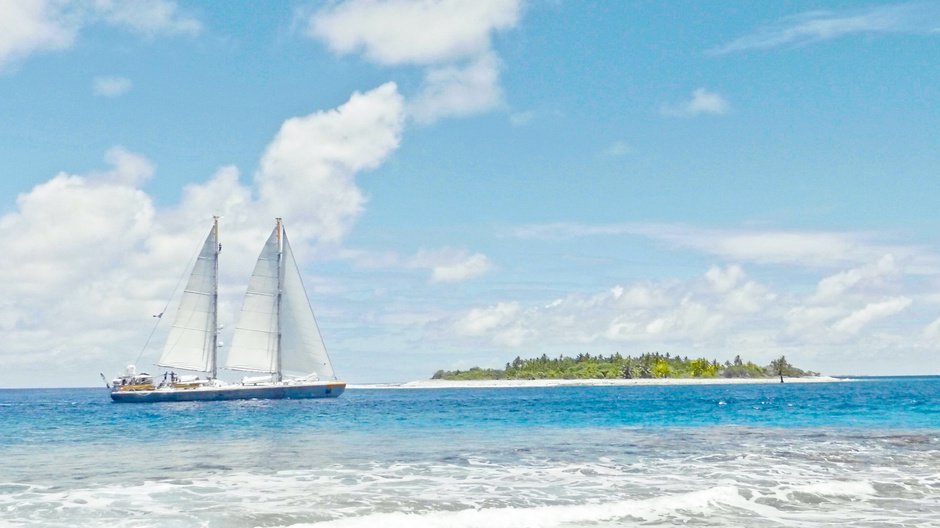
x=254 y=345
x=302 y=349
x=191 y=343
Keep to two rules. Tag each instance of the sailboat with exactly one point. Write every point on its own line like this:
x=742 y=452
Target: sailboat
x=276 y=337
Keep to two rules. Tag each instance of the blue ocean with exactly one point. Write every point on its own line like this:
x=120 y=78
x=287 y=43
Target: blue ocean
x=853 y=453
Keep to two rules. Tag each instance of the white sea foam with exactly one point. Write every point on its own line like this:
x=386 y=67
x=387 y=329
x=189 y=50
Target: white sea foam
x=677 y=507
x=762 y=478
x=837 y=488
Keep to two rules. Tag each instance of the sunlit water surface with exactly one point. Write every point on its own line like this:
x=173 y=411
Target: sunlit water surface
x=861 y=453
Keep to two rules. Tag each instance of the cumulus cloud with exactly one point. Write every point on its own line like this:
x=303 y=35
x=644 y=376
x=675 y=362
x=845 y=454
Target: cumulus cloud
x=451 y=265
x=701 y=102
x=844 y=303
x=313 y=159
x=818 y=26
x=724 y=279
x=62 y=229
x=932 y=331
x=147 y=17
x=90 y=257
x=848 y=308
x=479 y=321
x=27 y=27
x=855 y=321
x=834 y=286
x=457 y=91
x=127 y=168
x=111 y=86
x=499 y=324
x=720 y=313
x=666 y=312
x=413 y=31
x=452 y=39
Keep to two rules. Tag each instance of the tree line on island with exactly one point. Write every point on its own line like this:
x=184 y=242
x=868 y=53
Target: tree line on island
x=616 y=366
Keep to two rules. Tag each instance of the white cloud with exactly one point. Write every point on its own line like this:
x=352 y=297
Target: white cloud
x=805 y=322
x=30 y=26
x=313 y=160
x=719 y=314
x=749 y=298
x=425 y=32
x=688 y=319
x=724 y=279
x=932 y=331
x=128 y=168
x=835 y=286
x=147 y=17
x=452 y=39
x=795 y=247
x=111 y=86
x=668 y=312
x=457 y=91
x=499 y=324
x=855 y=321
x=451 y=265
x=800 y=248
x=845 y=302
x=818 y=26
x=479 y=321
x=89 y=258
x=65 y=228
x=741 y=296
x=701 y=102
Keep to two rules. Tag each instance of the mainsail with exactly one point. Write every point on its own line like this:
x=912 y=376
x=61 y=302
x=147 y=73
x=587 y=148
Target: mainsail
x=302 y=347
x=191 y=344
x=254 y=345
x=277 y=332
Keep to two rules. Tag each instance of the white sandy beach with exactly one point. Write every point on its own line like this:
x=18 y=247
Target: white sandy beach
x=477 y=384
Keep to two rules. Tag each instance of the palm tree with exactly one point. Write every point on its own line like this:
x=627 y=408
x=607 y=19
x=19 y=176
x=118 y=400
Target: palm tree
x=780 y=366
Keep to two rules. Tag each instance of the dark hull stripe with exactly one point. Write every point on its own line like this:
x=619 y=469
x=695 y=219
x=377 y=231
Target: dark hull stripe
x=231 y=393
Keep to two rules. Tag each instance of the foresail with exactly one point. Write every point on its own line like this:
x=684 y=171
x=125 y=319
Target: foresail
x=254 y=345
x=190 y=342
x=302 y=348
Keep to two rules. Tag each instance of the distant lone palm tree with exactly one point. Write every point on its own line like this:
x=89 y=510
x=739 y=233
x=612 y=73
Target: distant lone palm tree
x=780 y=367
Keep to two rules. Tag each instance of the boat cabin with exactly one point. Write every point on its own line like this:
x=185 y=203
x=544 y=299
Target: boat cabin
x=132 y=380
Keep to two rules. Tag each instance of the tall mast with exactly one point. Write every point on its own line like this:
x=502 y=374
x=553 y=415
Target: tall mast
x=215 y=298
x=280 y=280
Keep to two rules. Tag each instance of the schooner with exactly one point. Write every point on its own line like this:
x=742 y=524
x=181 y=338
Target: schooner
x=276 y=336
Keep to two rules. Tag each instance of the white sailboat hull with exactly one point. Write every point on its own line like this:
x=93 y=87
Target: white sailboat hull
x=269 y=391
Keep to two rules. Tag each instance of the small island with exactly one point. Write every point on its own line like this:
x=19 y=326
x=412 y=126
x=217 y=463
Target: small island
x=646 y=366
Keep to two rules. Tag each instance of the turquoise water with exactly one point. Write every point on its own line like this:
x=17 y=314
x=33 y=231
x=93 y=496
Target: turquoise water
x=866 y=453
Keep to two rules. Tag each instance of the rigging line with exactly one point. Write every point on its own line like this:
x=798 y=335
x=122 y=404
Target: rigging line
x=159 y=317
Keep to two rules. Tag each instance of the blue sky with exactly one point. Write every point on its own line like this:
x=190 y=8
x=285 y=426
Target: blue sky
x=468 y=181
